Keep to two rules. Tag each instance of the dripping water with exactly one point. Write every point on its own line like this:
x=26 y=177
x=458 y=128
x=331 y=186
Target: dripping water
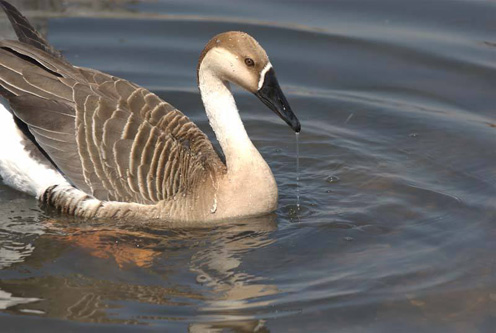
x=297 y=172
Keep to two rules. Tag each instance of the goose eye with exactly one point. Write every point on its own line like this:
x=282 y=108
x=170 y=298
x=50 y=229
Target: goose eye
x=249 y=62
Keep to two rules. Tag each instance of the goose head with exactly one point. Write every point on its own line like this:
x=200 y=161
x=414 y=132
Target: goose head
x=237 y=57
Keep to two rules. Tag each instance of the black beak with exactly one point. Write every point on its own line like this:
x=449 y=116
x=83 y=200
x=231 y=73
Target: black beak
x=272 y=96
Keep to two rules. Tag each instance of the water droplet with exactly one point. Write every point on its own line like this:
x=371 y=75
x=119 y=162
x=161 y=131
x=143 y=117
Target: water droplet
x=413 y=135
x=214 y=206
x=332 y=179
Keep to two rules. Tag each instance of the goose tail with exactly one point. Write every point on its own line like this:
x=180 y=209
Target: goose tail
x=25 y=32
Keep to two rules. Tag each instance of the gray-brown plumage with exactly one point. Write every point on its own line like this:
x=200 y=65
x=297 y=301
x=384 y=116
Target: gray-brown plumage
x=111 y=139
x=105 y=134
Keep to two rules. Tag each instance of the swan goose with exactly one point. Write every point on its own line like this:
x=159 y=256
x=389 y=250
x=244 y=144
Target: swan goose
x=119 y=151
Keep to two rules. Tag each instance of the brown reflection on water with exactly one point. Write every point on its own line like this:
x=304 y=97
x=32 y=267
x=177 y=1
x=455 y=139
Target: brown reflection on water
x=222 y=289
x=124 y=247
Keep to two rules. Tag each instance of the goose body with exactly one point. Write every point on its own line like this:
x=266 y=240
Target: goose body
x=114 y=149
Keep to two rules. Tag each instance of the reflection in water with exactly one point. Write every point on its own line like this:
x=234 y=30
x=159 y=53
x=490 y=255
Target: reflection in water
x=216 y=256
x=17 y=232
x=7 y=300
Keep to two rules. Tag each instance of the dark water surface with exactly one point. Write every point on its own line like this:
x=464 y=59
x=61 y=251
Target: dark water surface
x=397 y=228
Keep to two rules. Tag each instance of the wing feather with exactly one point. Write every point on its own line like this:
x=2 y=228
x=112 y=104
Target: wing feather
x=109 y=137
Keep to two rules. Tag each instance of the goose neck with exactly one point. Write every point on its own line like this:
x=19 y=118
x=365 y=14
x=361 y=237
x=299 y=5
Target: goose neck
x=223 y=116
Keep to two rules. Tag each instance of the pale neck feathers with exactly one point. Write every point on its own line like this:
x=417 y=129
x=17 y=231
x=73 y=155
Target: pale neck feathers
x=223 y=113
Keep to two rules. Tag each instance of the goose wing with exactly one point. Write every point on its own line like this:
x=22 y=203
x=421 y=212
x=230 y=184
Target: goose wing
x=109 y=137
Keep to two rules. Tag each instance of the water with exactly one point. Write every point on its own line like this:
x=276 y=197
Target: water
x=396 y=227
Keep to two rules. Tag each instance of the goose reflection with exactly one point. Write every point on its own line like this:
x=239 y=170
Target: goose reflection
x=82 y=271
